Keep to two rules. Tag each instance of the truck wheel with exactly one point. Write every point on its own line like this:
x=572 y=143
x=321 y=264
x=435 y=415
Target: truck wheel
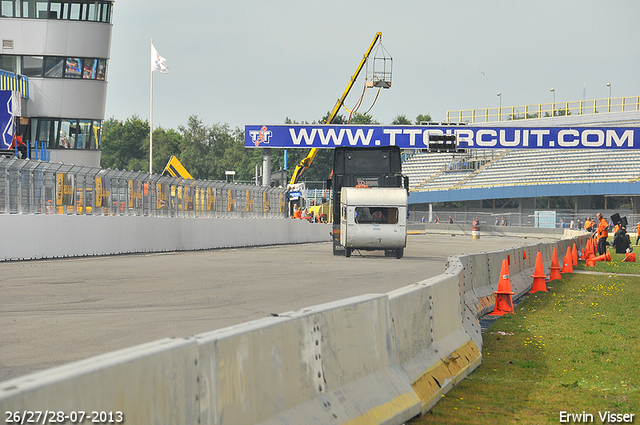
x=347 y=252
x=399 y=253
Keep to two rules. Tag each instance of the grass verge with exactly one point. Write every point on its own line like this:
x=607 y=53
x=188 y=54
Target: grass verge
x=575 y=348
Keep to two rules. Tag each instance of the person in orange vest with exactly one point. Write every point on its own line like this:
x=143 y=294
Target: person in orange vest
x=588 y=224
x=603 y=234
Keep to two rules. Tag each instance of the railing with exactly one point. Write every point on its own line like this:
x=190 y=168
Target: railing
x=36 y=187
x=14 y=82
x=543 y=110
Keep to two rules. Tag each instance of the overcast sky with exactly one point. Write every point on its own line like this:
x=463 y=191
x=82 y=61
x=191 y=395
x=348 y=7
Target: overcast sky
x=257 y=62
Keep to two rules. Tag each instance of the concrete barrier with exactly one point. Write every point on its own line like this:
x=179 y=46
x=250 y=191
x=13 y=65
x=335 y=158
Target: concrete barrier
x=378 y=358
x=57 y=236
x=153 y=383
x=486 y=230
x=331 y=363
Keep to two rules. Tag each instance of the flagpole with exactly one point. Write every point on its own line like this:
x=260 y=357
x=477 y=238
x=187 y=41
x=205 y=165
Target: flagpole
x=151 y=121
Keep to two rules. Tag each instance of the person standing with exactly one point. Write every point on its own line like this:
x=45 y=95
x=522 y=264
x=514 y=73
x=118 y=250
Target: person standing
x=603 y=234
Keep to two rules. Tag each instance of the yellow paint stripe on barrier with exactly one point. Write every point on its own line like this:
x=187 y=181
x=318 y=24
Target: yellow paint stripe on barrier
x=485 y=302
x=429 y=385
x=385 y=412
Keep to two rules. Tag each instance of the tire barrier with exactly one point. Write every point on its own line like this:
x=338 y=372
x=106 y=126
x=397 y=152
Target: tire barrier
x=377 y=358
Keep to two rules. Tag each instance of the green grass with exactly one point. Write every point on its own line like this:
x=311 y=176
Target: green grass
x=614 y=266
x=575 y=348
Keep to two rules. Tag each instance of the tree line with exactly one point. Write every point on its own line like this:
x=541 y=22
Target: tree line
x=207 y=151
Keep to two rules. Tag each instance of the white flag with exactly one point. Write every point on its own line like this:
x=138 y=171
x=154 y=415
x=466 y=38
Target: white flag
x=157 y=61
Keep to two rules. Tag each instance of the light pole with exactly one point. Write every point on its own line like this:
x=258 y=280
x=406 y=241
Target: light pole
x=500 y=109
x=553 y=107
x=609 y=100
x=609 y=85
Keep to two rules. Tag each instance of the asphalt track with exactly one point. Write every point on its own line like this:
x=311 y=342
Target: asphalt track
x=57 y=311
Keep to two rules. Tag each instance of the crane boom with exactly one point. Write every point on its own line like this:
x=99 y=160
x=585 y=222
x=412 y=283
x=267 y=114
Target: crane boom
x=307 y=160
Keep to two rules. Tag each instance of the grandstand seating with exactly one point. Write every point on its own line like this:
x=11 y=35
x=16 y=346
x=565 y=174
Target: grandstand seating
x=430 y=171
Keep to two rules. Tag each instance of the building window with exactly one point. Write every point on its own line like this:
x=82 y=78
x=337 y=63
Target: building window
x=106 y=12
x=102 y=70
x=84 y=135
x=89 y=69
x=73 y=67
x=34 y=9
x=75 y=11
x=67 y=133
x=96 y=11
x=53 y=67
x=32 y=66
x=96 y=135
x=10 y=63
x=8 y=8
x=57 y=10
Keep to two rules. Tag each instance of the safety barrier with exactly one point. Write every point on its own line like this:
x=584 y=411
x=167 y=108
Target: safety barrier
x=36 y=236
x=378 y=358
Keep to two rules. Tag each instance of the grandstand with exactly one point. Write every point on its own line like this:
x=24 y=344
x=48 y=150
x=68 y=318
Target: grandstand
x=432 y=171
x=527 y=173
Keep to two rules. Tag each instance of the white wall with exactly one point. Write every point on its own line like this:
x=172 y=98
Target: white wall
x=28 y=236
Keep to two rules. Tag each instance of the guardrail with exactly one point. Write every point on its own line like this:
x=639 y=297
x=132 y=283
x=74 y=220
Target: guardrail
x=36 y=187
x=543 y=110
x=378 y=358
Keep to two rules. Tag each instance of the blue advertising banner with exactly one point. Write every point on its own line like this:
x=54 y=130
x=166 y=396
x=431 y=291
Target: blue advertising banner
x=418 y=137
x=7 y=119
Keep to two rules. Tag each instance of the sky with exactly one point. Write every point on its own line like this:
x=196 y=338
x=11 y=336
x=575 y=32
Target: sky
x=258 y=62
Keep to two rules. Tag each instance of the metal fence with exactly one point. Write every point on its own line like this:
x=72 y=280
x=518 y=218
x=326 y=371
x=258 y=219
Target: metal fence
x=542 y=110
x=524 y=219
x=36 y=187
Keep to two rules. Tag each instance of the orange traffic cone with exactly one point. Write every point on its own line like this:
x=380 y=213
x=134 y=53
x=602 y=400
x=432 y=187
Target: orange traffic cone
x=591 y=262
x=539 y=283
x=554 y=272
x=590 y=251
x=604 y=257
x=574 y=254
x=567 y=266
x=524 y=255
x=582 y=256
x=504 y=302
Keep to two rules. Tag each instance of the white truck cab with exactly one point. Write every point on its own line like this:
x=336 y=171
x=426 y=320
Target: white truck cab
x=373 y=219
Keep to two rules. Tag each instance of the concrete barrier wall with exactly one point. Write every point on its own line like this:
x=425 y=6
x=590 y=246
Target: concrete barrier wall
x=485 y=230
x=378 y=358
x=31 y=236
x=153 y=383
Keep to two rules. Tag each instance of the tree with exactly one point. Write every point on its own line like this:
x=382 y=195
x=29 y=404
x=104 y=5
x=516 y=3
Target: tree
x=166 y=143
x=123 y=144
x=365 y=118
x=401 y=120
x=338 y=119
x=423 y=118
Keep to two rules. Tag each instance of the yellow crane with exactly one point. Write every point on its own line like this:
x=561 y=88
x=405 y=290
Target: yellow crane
x=307 y=160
